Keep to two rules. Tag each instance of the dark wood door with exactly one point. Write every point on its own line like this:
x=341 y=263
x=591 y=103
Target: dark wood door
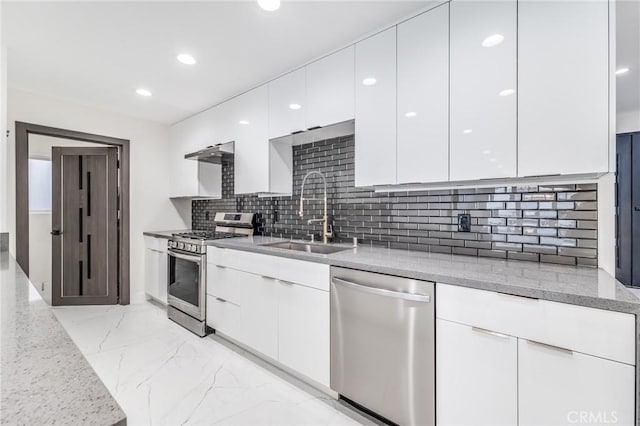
x=85 y=226
x=628 y=209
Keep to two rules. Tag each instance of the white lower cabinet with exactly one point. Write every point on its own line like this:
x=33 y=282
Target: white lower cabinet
x=260 y=314
x=303 y=330
x=263 y=308
x=514 y=360
x=560 y=387
x=476 y=376
x=155 y=268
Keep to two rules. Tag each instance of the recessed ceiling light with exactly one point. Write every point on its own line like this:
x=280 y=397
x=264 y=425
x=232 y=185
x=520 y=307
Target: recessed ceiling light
x=243 y=122
x=269 y=5
x=411 y=114
x=622 y=71
x=467 y=131
x=507 y=92
x=186 y=59
x=486 y=152
x=493 y=160
x=493 y=40
x=143 y=92
x=295 y=106
x=369 y=81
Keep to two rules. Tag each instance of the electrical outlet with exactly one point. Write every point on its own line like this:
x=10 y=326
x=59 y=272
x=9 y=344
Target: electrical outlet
x=206 y=216
x=464 y=222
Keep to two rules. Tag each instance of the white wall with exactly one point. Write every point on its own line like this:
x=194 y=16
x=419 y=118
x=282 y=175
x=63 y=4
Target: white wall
x=628 y=121
x=150 y=206
x=3 y=126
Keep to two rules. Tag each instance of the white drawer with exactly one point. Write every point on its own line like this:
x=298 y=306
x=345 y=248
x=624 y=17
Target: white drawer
x=225 y=317
x=255 y=263
x=597 y=332
x=309 y=274
x=225 y=283
x=156 y=244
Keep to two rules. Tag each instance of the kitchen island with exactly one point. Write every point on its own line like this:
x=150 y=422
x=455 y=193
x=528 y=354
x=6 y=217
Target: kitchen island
x=45 y=379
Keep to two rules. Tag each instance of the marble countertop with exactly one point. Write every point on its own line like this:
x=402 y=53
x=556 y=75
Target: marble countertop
x=582 y=286
x=45 y=379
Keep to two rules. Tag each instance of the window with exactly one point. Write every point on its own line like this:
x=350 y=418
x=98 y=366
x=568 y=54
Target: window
x=39 y=185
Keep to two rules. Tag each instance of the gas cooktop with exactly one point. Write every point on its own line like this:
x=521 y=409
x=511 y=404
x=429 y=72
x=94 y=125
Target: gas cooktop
x=204 y=235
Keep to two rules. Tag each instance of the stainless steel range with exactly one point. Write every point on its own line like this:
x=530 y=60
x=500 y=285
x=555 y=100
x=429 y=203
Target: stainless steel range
x=187 y=268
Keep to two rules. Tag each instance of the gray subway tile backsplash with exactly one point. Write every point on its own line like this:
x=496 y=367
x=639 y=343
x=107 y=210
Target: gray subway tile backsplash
x=539 y=223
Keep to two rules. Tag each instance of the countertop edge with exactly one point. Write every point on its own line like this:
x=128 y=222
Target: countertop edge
x=573 y=299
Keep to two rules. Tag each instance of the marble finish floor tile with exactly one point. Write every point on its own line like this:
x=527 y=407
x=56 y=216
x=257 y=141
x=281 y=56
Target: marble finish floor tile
x=161 y=374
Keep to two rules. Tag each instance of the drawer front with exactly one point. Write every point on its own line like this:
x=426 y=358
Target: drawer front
x=310 y=274
x=255 y=263
x=225 y=317
x=315 y=275
x=156 y=244
x=225 y=283
x=597 y=332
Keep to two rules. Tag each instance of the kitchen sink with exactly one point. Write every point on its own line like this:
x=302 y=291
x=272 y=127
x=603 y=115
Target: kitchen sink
x=307 y=247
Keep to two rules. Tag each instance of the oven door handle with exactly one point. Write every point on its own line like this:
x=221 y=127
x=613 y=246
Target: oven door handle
x=190 y=258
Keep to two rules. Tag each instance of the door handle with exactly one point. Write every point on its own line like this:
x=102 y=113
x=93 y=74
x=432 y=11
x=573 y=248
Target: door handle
x=56 y=232
x=382 y=292
x=636 y=208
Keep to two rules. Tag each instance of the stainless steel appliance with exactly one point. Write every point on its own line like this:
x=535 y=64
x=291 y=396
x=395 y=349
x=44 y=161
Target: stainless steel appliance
x=212 y=154
x=187 y=268
x=383 y=345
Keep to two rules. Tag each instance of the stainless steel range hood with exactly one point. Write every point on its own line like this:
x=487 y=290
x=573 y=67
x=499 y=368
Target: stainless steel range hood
x=212 y=154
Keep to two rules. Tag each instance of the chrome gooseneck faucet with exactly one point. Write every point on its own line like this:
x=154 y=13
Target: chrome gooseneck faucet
x=326 y=232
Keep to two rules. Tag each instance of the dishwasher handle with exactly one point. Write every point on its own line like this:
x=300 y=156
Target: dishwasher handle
x=382 y=292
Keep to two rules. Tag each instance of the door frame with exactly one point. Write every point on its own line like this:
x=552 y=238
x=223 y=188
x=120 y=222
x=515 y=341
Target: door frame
x=23 y=130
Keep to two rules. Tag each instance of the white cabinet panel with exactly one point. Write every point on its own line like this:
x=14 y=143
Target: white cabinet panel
x=191 y=178
x=558 y=387
x=563 y=93
x=330 y=89
x=155 y=268
x=476 y=376
x=287 y=104
x=375 y=137
x=483 y=89
x=225 y=283
x=251 y=157
x=423 y=97
x=303 y=330
x=225 y=317
x=260 y=313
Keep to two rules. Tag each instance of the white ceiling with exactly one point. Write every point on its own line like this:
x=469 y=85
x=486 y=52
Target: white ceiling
x=98 y=53
x=628 y=54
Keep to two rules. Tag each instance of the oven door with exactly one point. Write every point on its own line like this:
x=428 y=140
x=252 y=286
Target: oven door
x=186 y=283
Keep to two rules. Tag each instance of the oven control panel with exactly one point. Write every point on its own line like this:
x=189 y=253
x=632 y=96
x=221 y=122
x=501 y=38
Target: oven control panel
x=191 y=248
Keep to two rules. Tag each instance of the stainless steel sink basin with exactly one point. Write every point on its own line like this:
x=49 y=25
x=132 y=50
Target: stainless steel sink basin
x=306 y=247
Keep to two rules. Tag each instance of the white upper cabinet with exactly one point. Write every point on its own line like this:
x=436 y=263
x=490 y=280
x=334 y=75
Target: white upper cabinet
x=191 y=178
x=563 y=94
x=483 y=89
x=375 y=140
x=423 y=97
x=251 y=148
x=330 y=89
x=287 y=104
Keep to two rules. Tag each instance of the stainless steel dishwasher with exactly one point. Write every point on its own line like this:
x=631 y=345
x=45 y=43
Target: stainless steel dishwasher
x=383 y=344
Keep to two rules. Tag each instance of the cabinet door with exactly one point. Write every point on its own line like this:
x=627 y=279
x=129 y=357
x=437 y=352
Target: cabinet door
x=563 y=87
x=476 y=376
x=161 y=263
x=224 y=317
x=375 y=137
x=423 y=97
x=183 y=173
x=483 y=89
x=558 y=387
x=251 y=158
x=303 y=324
x=287 y=104
x=330 y=89
x=259 y=309
x=151 y=276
